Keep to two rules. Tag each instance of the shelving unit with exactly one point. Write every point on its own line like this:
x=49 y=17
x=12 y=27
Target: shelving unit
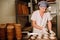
x=22 y=11
x=22 y=18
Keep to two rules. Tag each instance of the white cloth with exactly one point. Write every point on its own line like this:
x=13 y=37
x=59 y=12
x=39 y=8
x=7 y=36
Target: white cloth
x=40 y=21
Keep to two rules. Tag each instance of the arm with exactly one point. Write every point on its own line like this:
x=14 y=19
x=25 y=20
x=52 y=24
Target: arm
x=49 y=25
x=36 y=26
x=33 y=18
x=50 y=28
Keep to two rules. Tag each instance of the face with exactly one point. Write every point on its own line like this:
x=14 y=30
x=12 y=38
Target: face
x=43 y=9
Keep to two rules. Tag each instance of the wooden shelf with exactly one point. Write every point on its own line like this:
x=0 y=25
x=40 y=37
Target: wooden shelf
x=52 y=2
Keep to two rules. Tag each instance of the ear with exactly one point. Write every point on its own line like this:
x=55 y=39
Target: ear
x=39 y=7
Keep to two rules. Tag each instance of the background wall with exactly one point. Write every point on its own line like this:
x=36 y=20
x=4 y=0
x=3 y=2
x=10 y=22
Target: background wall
x=7 y=11
x=58 y=18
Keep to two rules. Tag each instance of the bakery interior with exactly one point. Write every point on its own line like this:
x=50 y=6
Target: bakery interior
x=17 y=13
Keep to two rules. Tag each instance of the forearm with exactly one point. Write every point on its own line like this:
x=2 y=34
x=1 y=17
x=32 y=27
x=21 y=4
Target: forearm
x=49 y=25
x=36 y=26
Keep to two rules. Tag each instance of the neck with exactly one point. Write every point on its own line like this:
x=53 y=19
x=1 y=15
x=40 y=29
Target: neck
x=41 y=13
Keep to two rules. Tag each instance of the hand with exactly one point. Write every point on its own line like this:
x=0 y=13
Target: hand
x=40 y=28
x=52 y=33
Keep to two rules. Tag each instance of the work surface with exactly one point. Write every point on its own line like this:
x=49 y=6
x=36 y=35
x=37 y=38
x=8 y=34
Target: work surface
x=38 y=39
x=43 y=39
x=35 y=36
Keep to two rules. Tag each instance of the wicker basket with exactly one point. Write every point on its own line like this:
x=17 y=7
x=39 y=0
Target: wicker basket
x=10 y=31
x=18 y=31
x=2 y=31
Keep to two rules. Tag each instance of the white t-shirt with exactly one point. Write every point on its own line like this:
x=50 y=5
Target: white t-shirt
x=41 y=21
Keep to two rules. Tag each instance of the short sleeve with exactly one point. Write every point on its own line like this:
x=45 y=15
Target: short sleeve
x=49 y=17
x=33 y=17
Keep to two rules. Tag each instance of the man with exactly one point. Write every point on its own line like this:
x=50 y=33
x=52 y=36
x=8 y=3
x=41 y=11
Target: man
x=40 y=18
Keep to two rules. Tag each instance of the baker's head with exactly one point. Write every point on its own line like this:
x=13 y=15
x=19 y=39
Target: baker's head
x=43 y=5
